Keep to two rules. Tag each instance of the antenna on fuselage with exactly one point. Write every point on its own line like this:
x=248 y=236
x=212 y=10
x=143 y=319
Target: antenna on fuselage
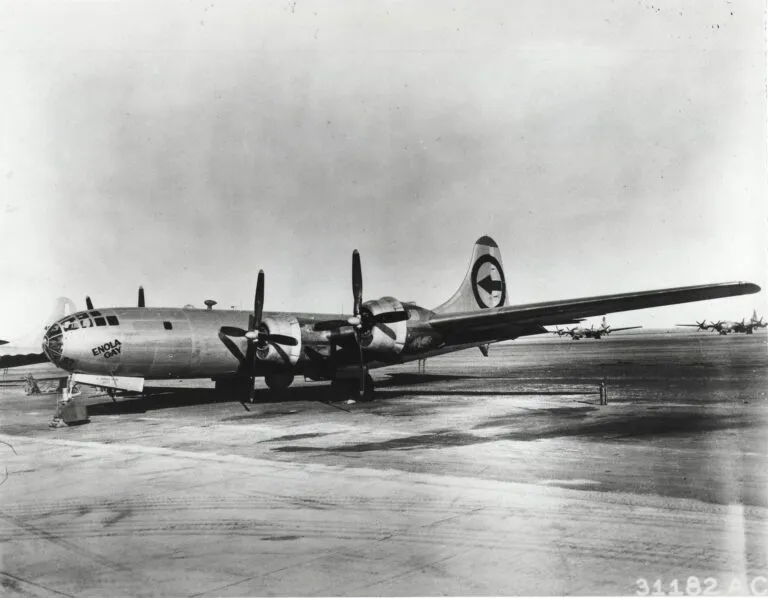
x=141 y=296
x=88 y=302
x=209 y=303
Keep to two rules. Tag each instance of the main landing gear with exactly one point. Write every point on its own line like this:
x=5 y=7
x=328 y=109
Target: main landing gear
x=347 y=388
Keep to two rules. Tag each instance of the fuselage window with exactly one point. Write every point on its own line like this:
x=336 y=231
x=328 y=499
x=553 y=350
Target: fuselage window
x=112 y=321
x=100 y=321
x=167 y=325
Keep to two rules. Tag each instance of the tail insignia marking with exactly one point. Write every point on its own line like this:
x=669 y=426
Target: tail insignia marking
x=488 y=283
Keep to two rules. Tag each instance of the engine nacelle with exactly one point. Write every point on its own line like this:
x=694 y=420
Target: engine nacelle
x=276 y=353
x=385 y=338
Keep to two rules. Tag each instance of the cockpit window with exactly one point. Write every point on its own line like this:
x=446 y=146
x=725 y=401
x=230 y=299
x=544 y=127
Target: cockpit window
x=112 y=321
x=69 y=324
x=95 y=313
x=84 y=320
x=100 y=321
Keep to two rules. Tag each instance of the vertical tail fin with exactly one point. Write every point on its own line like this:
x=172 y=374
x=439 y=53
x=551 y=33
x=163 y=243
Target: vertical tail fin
x=484 y=284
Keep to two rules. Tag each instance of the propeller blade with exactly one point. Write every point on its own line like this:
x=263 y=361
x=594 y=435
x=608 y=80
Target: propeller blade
x=258 y=302
x=232 y=331
x=141 y=297
x=391 y=317
x=357 y=282
x=363 y=372
x=233 y=348
x=330 y=325
x=88 y=303
x=282 y=353
x=387 y=330
x=248 y=366
x=280 y=339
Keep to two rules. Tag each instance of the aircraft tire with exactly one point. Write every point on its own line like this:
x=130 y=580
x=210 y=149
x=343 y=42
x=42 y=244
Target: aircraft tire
x=278 y=382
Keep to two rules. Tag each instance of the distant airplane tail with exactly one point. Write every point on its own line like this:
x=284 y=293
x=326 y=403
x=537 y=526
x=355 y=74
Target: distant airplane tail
x=484 y=284
x=64 y=306
x=31 y=340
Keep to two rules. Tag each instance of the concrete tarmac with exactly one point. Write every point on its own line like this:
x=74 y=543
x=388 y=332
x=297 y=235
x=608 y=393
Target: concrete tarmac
x=499 y=475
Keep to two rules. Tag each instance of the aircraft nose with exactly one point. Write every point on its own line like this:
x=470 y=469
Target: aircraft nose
x=53 y=343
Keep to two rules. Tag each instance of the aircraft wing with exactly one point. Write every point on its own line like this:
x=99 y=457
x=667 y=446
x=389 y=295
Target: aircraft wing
x=530 y=315
x=14 y=360
x=625 y=328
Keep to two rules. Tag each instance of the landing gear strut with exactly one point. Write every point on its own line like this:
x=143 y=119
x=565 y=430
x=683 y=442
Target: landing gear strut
x=350 y=388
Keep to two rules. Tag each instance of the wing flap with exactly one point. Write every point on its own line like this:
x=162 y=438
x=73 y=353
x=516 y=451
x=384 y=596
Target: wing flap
x=557 y=312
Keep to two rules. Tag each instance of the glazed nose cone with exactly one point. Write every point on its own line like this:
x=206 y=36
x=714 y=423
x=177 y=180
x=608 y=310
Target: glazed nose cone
x=53 y=343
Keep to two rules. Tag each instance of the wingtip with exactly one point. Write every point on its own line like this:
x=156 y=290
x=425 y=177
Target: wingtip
x=750 y=287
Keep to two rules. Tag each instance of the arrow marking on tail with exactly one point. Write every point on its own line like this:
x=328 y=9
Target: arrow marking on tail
x=489 y=285
x=490 y=290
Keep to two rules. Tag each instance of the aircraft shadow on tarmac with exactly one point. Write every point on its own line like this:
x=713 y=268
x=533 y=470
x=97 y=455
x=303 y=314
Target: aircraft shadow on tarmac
x=542 y=425
x=157 y=398
x=521 y=424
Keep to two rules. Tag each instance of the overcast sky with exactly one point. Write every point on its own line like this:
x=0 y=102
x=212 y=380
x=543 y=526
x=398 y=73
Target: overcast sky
x=607 y=146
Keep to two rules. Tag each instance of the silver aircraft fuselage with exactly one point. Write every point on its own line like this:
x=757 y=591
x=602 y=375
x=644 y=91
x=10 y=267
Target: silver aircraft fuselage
x=160 y=343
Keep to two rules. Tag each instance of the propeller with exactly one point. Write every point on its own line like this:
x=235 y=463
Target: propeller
x=702 y=325
x=356 y=321
x=141 y=297
x=363 y=320
x=257 y=335
x=88 y=302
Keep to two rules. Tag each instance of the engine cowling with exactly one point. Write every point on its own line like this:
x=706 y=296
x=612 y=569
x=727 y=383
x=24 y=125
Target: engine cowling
x=275 y=352
x=384 y=338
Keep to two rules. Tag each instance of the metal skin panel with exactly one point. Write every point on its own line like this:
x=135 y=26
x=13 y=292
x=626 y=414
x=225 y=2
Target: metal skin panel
x=141 y=346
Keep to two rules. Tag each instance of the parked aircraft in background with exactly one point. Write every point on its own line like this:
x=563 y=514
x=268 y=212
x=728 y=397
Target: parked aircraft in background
x=756 y=323
x=699 y=325
x=121 y=347
x=724 y=327
x=579 y=332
